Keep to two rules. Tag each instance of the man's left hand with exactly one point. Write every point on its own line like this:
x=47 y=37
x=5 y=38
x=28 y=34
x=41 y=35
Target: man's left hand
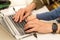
x=38 y=26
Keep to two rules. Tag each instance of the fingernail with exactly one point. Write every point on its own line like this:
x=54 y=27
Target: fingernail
x=20 y=20
x=15 y=21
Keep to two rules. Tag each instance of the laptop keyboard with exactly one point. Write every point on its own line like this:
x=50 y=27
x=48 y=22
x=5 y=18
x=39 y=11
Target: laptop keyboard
x=19 y=26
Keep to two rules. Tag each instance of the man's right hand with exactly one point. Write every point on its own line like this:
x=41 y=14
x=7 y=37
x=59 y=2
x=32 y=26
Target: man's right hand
x=21 y=15
x=24 y=12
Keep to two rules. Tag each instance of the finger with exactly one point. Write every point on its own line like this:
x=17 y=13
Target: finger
x=26 y=15
x=28 y=27
x=16 y=17
x=30 y=30
x=28 y=23
x=21 y=15
x=13 y=17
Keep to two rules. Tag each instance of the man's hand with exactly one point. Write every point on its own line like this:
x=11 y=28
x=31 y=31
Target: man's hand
x=24 y=12
x=38 y=26
x=21 y=15
x=31 y=17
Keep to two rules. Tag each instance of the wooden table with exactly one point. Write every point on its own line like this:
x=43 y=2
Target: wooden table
x=4 y=35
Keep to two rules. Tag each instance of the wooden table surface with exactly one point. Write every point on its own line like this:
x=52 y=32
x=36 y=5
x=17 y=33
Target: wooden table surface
x=4 y=35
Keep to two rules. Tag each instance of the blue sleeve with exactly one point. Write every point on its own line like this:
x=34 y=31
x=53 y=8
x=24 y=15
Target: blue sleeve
x=49 y=15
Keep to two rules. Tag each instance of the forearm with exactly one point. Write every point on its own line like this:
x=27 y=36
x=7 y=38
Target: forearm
x=38 y=3
x=31 y=7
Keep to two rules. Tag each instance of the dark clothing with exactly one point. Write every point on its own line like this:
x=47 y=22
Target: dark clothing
x=49 y=15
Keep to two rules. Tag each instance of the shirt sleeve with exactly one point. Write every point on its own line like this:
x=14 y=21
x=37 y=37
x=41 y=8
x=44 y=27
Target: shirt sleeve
x=49 y=15
x=38 y=3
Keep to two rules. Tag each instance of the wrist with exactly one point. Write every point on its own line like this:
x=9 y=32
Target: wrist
x=28 y=9
x=31 y=7
x=47 y=27
x=54 y=28
x=50 y=27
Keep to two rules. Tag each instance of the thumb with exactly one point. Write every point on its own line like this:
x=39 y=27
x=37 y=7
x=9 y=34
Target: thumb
x=27 y=14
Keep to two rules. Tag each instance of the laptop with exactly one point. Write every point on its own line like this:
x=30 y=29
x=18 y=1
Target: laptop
x=16 y=29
